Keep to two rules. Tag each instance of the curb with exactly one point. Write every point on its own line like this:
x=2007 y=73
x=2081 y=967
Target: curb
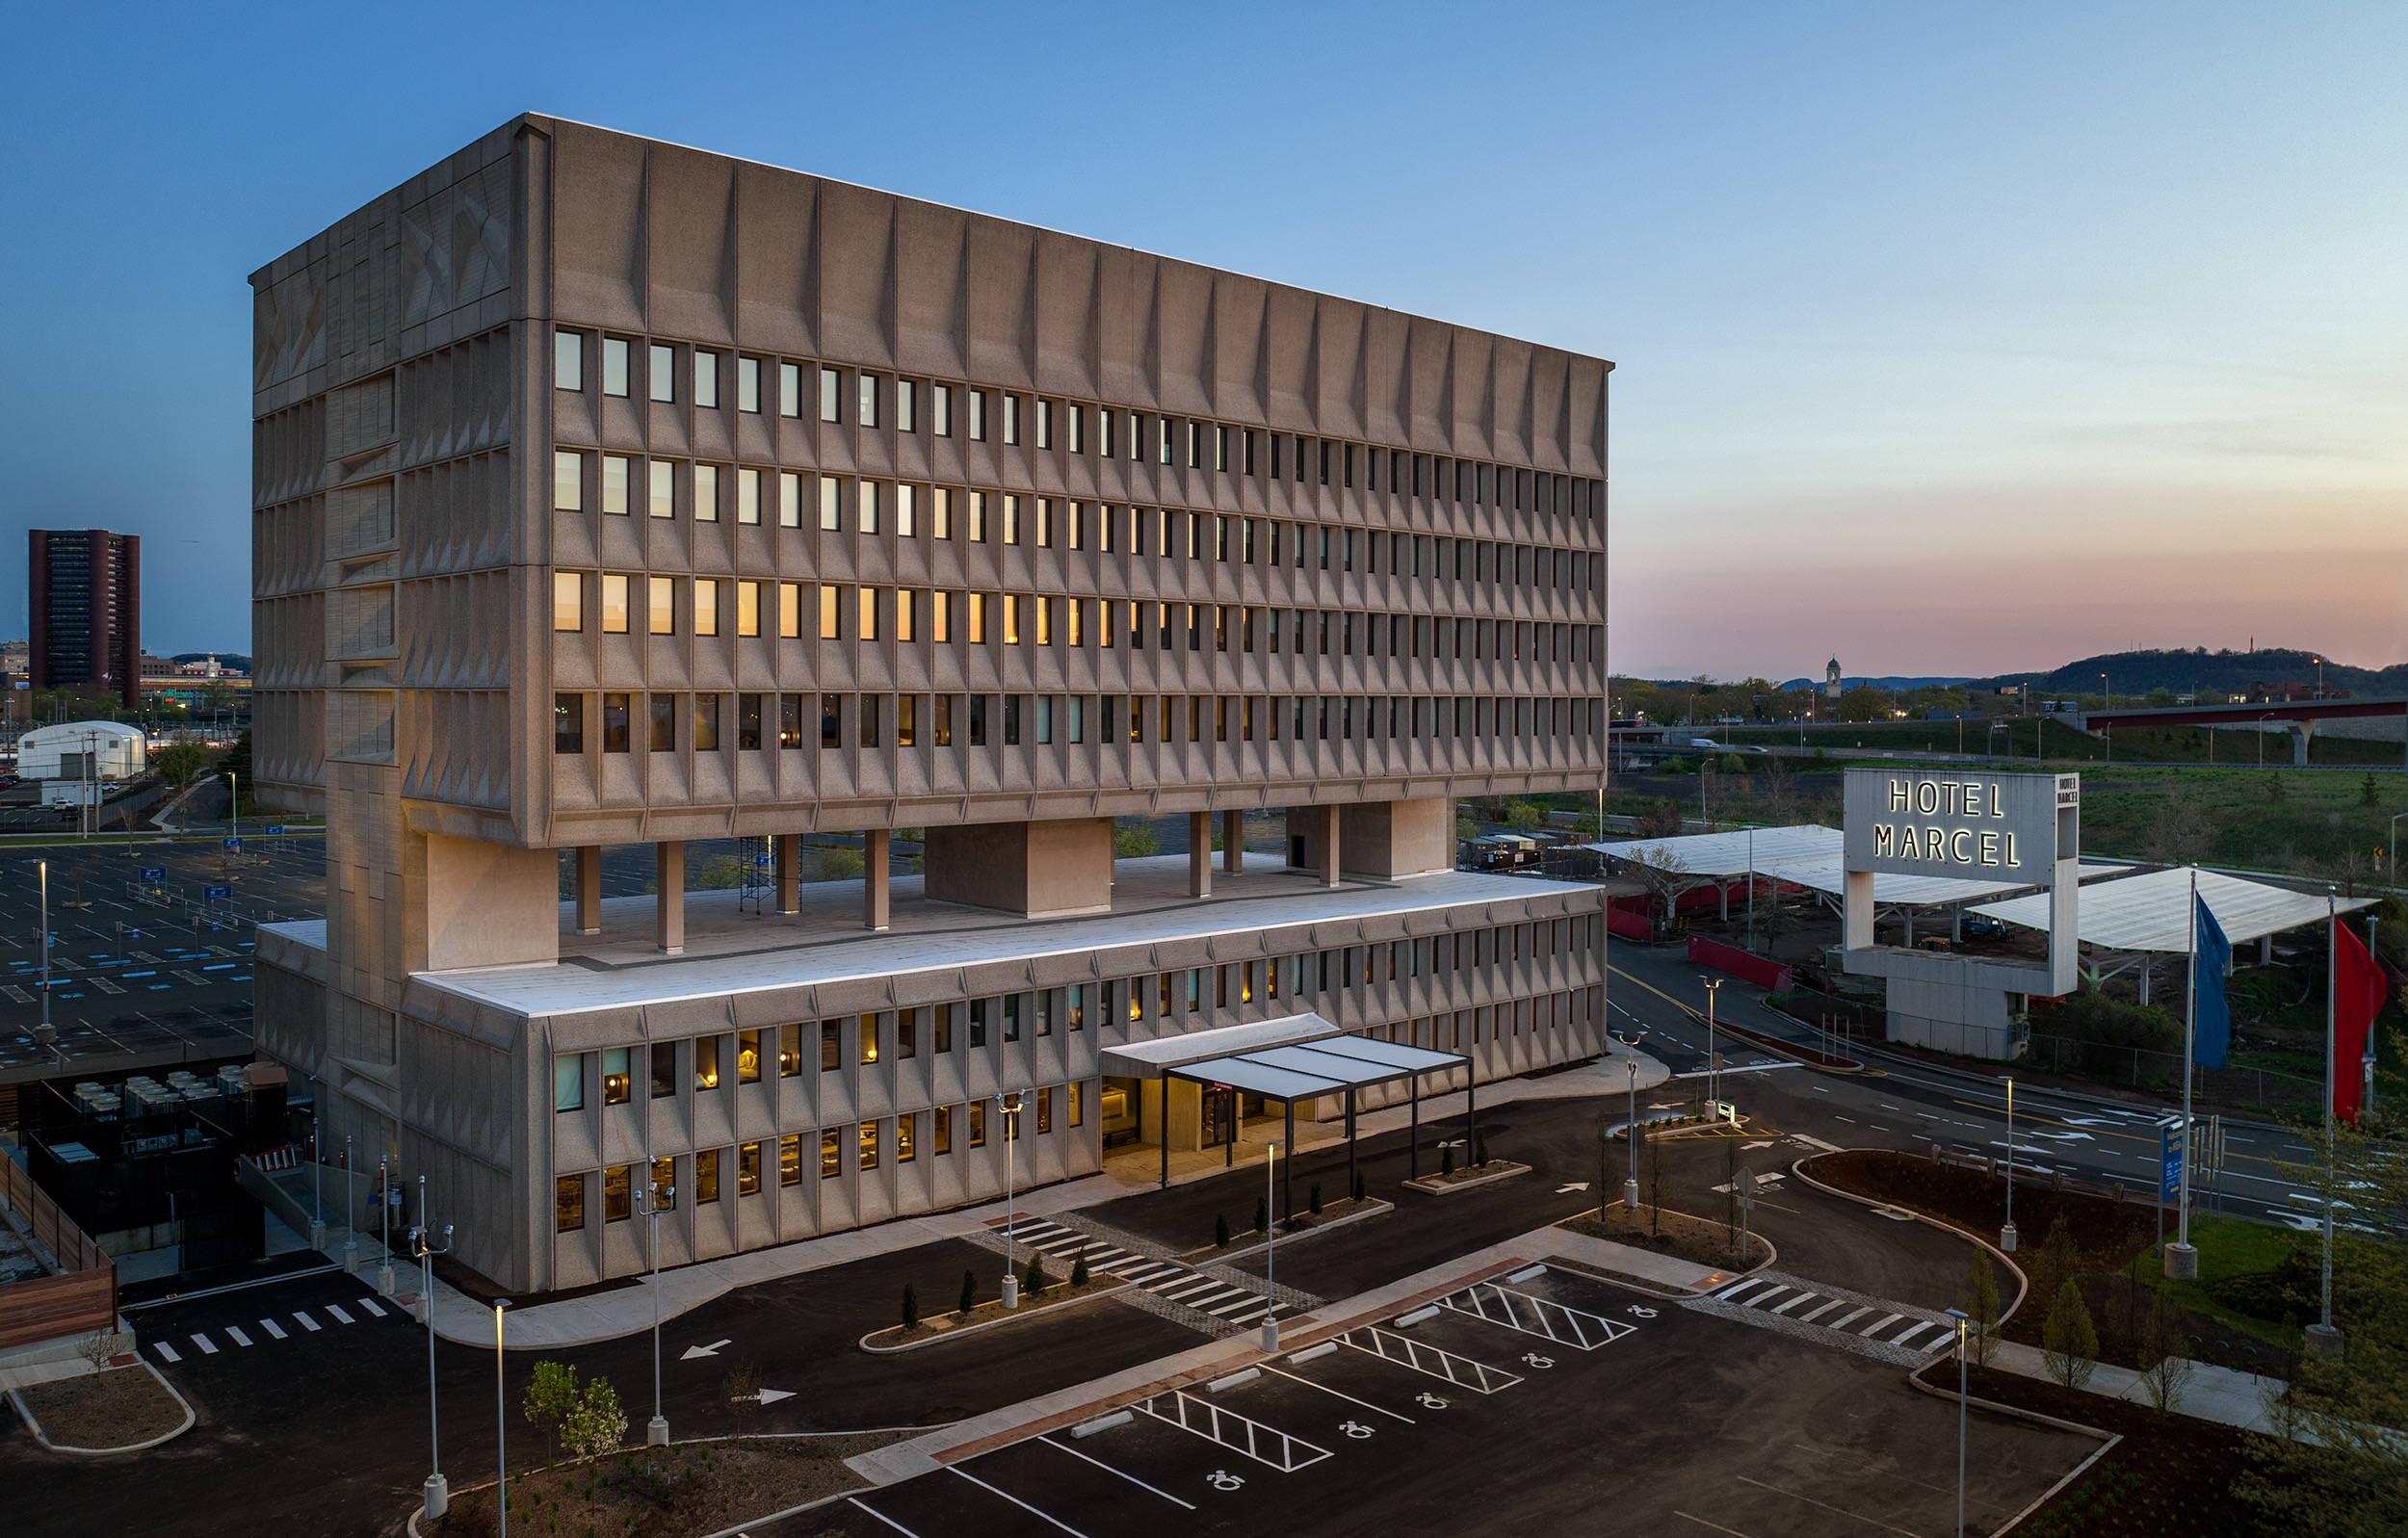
x=1374 y=1207
x=2023 y=1282
x=1429 y=1185
x=191 y=1417
x=1772 y=1251
x=994 y=1324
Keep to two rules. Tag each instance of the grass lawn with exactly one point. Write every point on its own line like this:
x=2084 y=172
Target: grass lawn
x=2229 y=1247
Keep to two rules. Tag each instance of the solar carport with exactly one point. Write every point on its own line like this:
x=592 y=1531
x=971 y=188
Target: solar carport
x=1300 y=1058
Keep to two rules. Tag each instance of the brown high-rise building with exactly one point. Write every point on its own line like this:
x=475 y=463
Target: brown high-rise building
x=85 y=605
x=611 y=493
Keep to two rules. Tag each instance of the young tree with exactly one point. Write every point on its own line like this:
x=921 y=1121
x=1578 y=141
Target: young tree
x=1079 y=1271
x=2056 y=1265
x=1262 y=1214
x=598 y=1425
x=1985 y=1307
x=1034 y=1282
x=969 y=1291
x=910 y=1307
x=740 y=1393
x=2163 y=1368
x=179 y=764
x=1220 y=1231
x=1136 y=841
x=840 y=864
x=2069 y=1341
x=551 y=1400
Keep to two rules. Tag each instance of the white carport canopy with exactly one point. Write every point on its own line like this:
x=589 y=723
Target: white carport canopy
x=1728 y=854
x=1830 y=878
x=2151 y=913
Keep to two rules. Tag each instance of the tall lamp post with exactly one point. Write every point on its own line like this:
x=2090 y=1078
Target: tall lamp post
x=1630 y=1128
x=2006 y=1234
x=1960 y=1316
x=1271 y=1259
x=425 y=1250
x=501 y=1425
x=655 y=1195
x=1714 y=1074
x=1008 y=1112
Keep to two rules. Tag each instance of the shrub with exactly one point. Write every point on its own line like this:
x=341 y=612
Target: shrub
x=1445 y=1158
x=911 y=1307
x=1262 y=1214
x=1135 y=841
x=1034 y=1282
x=1358 y=1184
x=1078 y=1268
x=1479 y=1151
x=969 y=1291
x=1985 y=1307
x=1313 y=1200
x=551 y=1399
x=598 y=1424
x=840 y=864
x=1220 y=1231
x=720 y=872
x=2069 y=1341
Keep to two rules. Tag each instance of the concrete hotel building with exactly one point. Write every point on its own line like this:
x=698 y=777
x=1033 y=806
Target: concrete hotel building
x=609 y=492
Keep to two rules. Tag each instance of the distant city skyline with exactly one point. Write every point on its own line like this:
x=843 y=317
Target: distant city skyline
x=1946 y=340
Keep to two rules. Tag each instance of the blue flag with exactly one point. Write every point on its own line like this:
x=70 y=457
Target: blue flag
x=2212 y=958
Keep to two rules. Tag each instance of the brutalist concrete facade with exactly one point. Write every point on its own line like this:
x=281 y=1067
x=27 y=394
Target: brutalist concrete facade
x=611 y=492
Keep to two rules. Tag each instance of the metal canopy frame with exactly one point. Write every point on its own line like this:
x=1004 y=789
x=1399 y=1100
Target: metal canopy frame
x=1310 y=1070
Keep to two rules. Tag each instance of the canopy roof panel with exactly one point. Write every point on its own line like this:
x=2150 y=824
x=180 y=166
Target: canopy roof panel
x=1300 y=1058
x=2152 y=912
x=1916 y=890
x=1811 y=857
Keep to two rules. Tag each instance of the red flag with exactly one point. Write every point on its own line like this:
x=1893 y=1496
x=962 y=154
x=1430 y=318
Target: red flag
x=2358 y=990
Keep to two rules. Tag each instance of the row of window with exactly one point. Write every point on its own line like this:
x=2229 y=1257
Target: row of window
x=1008 y=518
x=1075 y=426
x=929 y=719
x=749 y=608
x=865 y=1039
x=868 y=1141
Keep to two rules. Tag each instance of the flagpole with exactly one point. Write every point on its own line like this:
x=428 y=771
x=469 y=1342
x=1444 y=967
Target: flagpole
x=2181 y=1262
x=2322 y=1338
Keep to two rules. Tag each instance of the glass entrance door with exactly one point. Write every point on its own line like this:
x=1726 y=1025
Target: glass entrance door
x=1220 y=1117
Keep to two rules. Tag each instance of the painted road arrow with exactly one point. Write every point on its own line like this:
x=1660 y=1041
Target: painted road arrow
x=713 y=1349
x=1577 y=1186
x=772 y=1395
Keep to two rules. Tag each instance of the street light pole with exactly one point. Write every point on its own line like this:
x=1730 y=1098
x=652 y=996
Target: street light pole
x=2006 y=1234
x=656 y=1434
x=1714 y=1075
x=1630 y=1128
x=1960 y=1316
x=1006 y=1110
x=1270 y=1258
x=350 y=1210
x=501 y=1425
x=438 y=1489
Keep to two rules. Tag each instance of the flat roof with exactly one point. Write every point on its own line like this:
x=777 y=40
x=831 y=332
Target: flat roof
x=1150 y=1059
x=731 y=951
x=2152 y=912
x=1812 y=856
x=1329 y=1064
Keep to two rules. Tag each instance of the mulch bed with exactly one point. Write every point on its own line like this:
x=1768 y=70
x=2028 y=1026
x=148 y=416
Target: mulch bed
x=935 y=1325
x=2107 y=1236
x=2170 y=1478
x=696 y=1488
x=1702 y=1241
x=118 y=1409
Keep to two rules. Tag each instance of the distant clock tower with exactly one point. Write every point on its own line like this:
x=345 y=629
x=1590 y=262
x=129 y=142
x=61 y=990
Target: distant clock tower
x=1831 y=679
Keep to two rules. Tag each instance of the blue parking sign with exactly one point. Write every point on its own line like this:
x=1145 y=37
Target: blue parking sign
x=154 y=873
x=2169 y=1159
x=214 y=891
x=233 y=843
x=275 y=828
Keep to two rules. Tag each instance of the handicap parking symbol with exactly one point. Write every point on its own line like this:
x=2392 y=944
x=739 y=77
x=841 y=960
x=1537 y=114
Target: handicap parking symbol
x=1431 y=1401
x=1642 y=1310
x=1356 y=1429
x=1537 y=1360
x=1223 y=1479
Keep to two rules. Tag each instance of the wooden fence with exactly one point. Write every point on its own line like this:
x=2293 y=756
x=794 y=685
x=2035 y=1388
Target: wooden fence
x=81 y=1300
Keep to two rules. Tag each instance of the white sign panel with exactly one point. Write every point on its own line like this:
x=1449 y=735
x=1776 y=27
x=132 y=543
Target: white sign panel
x=1937 y=820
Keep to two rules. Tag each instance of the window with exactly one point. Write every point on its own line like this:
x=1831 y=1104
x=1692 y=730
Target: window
x=664 y=1069
x=568 y=360
x=941 y=409
x=661 y=489
x=789 y=499
x=568 y=723
x=614 y=723
x=829 y=596
x=907 y=1138
x=789 y=1047
x=568 y=600
x=831 y=397
x=749 y=1057
x=832 y=502
x=906 y=1033
x=907 y=720
x=569 y=1081
x=943 y=1142
x=869 y=502
x=1044 y=1111
x=664 y=1184
x=706 y=607
x=790 y=610
x=614 y=366
x=868 y=707
x=831 y=1155
x=868 y=1039
x=906 y=512
x=706 y=724
x=978 y=1123
x=663 y=715
x=748 y=496
x=618 y=1194
x=1078 y=1113
x=706 y=379
x=831 y=717
x=907 y=406
x=748 y=385
x=1045 y=423
x=906 y=602
x=978 y=415
x=865 y=607
x=790 y=1159
x=706 y=1062
x=568 y=1204
x=940 y=513
x=832 y=1056
x=747 y=608
x=706 y=1176
x=869 y=1144
x=790 y=389
x=614 y=483
x=868 y=417
x=568 y=481
x=1011 y=1017
x=663 y=372
x=748 y=1169
x=706 y=493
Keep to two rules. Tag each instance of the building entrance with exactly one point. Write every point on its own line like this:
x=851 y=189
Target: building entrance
x=1220 y=1117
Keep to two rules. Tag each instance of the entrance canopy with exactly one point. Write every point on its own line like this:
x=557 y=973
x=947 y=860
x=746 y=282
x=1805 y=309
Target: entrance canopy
x=1153 y=1059
x=1301 y=1057
x=2152 y=912
x=1812 y=857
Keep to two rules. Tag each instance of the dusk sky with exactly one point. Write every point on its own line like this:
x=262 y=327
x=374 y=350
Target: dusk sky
x=1950 y=342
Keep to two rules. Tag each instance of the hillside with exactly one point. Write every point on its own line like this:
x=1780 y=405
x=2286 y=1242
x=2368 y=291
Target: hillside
x=2136 y=672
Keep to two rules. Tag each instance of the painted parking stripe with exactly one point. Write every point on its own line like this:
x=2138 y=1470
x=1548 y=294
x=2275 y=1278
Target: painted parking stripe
x=1348 y=1397
x=336 y=1309
x=882 y=1516
x=1764 y=1297
x=1904 y=1336
x=1879 y=1325
x=166 y=1350
x=1809 y=1319
x=208 y=1347
x=1109 y=1468
x=306 y=1322
x=1017 y=1501
x=1794 y=1302
x=236 y=1331
x=273 y=1328
x=369 y=1304
x=1846 y=1319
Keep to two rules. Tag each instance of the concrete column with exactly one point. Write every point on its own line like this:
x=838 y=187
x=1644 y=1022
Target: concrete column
x=668 y=901
x=1329 y=843
x=1199 y=854
x=1233 y=841
x=874 y=865
x=590 y=889
x=2300 y=731
x=788 y=860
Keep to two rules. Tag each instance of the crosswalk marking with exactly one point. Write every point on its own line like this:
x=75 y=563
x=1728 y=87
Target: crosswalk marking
x=208 y=1347
x=166 y=1350
x=369 y=1304
x=273 y=1328
x=1794 y=1302
x=1846 y=1319
x=1731 y=1294
x=236 y=1331
x=1243 y=1300
x=1809 y=1319
x=1879 y=1325
x=1764 y=1297
x=1904 y=1336
x=336 y=1309
x=306 y=1322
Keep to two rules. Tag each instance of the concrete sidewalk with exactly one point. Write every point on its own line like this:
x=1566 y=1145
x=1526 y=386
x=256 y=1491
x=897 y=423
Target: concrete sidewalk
x=628 y=1309
x=2209 y=1393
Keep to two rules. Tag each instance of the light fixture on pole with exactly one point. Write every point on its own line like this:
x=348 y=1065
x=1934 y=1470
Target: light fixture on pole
x=656 y=1431
x=1713 y=1067
x=1961 y=1318
x=2006 y=1234
x=46 y=1033
x=1270 y=1258
x=350 y=1211
x=1630 y=1128
x=425 y=1250
x=1008 y=1109
x=501 y=1425
x=384 y=1214
x=316 y=1161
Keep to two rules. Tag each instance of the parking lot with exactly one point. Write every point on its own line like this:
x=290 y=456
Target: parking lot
x=1551 y=1402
